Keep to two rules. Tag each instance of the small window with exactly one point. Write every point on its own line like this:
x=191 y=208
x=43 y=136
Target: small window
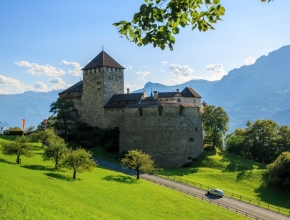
x=196 y=128
x=112 y=110
x=160 y=100
x=178 y=100
x=166 y=99
x=191 y=139
x=194 y=100
x=181 y=110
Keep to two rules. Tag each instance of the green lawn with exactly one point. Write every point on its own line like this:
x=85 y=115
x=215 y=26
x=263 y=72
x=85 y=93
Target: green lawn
x=34 y=190
x=232 y=174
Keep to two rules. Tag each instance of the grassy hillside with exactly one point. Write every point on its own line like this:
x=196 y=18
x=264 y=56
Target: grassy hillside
x=34 y=190
x=234 y=174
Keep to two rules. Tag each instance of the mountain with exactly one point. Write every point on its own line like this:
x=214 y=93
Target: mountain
x=31 y=106
x=257 y=91
x=201 y=86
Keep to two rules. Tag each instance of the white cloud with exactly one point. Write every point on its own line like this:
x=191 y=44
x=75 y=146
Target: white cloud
x=7 y=80
x=130 y=86
x=215 y=72
x=77 y=71
x=249 y=61
x=142 y=75
x=164 y=62
x=36 y=69
x=57 y=83
x=162 y=71
x=12 y=86
x=40 y=87
x=129 y=68
x=181 y=73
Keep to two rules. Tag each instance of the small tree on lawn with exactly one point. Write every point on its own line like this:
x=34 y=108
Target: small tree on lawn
x=56 y=150
x=43 y=136
x=138 y=161
x=18 y=147
x=79 y=160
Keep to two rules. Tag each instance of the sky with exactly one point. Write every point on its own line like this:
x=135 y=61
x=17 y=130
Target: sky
x=44 y=44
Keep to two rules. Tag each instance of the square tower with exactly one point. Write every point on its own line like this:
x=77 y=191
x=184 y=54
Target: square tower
x=102 y=78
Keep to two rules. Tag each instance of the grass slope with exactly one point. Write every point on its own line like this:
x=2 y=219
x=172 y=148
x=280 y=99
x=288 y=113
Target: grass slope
x=34 y=190
x=233 y=174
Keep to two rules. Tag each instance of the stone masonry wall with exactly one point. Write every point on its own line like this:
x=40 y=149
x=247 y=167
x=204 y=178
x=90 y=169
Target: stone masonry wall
x=99 y=85
x=171 y=139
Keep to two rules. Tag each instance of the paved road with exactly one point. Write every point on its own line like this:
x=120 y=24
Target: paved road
x=225 y=201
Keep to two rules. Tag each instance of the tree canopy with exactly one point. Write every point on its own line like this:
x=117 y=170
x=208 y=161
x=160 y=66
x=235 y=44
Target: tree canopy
x=279 y=170
x=262 y=141
x=159 y=20
x=215 y=123
x=66 y=114
x=138 y=161
x=20 y=146
x=56 y=150
x=78 y=160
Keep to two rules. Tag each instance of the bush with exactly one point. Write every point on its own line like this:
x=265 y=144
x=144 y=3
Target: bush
x=13 y=132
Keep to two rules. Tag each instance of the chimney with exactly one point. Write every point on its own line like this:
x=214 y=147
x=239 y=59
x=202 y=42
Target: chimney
x=177 y=90
x=128 y=90
x=155 y=95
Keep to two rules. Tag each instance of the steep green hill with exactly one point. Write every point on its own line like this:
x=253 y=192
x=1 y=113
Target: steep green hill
x=34 y=190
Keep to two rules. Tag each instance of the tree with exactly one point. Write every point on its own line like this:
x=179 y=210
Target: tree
x=78 y=160
x=159 y=20
x=138 y=161
x=235 y=142
x=43 y=136
x=215 y=123
x=56 y=150
x=66 y=114
x=260 y=137
x=279 y=170
x=50 y=123
x=18 y=147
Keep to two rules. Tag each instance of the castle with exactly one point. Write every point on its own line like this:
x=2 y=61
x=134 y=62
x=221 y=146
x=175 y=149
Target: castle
x=166 y=125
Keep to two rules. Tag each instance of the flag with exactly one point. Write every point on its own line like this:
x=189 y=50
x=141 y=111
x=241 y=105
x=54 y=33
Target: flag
x=23 y=124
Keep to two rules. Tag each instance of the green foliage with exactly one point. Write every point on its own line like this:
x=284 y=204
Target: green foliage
x=159 y=20
x=78 y=160
x=279 y=171
x=56 y=150
x=138 y=161
x=43 y=136
x=50 y=123
x=261 y=141
x=65 y=114
x=215 y=123
x=18 y=147
x=13 y=132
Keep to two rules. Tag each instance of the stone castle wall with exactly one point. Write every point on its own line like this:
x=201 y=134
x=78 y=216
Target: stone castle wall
x=171 y=139
x=99 y=85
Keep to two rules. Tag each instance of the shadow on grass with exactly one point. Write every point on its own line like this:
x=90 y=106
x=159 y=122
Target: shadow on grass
x=59 y=176
x=245 y=174
x=274 y=195
x=38 y=167
x=5 y=161
x=121 y=179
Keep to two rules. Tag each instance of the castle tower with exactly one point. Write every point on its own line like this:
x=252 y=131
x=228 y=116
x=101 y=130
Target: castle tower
x=102 y=78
